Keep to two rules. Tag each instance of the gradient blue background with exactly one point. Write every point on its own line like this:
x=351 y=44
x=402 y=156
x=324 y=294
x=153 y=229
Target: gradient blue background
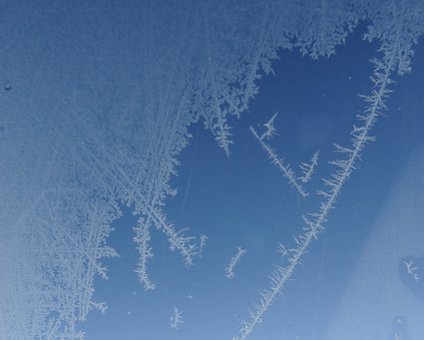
x=243 y=200
x=352 y=285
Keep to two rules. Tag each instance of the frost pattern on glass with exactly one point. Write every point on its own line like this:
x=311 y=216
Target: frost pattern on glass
x=309 y=168
x=281 y=164
x=398 y=29
x=176 y=320
x=234 y=261
x=67 y=174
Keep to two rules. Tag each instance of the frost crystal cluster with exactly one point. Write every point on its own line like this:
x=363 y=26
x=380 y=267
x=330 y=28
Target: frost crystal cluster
x=89 y=126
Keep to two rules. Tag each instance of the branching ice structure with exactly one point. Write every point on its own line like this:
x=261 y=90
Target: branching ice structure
x=69 y=163
x=280 y=163
x=234 y=261
x=402 y=28
x=176 y=320
x=309 y=168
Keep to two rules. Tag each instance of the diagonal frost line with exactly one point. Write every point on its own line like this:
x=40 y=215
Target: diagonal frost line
x=176 y=238
x=361 y=137
x=142 y=239
x=229 y=270
x=309 y=168
x=285 y=169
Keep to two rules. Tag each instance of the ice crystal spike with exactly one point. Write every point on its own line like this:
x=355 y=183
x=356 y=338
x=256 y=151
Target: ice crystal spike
x=270 y=130
x=234 y=261
x=176 y=320
x=280 y=163
x=309 y=168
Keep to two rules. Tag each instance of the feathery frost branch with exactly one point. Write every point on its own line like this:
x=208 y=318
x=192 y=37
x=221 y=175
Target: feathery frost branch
x=282 y=250
x=270 y=130
x=202 y=245
x=411 y=269
x=279 y=162
x=229 y=270
x=176 y=320
x=142 y=240
x=309 y=168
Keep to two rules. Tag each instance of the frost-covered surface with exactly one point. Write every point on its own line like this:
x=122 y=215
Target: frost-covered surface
x=109 y=118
